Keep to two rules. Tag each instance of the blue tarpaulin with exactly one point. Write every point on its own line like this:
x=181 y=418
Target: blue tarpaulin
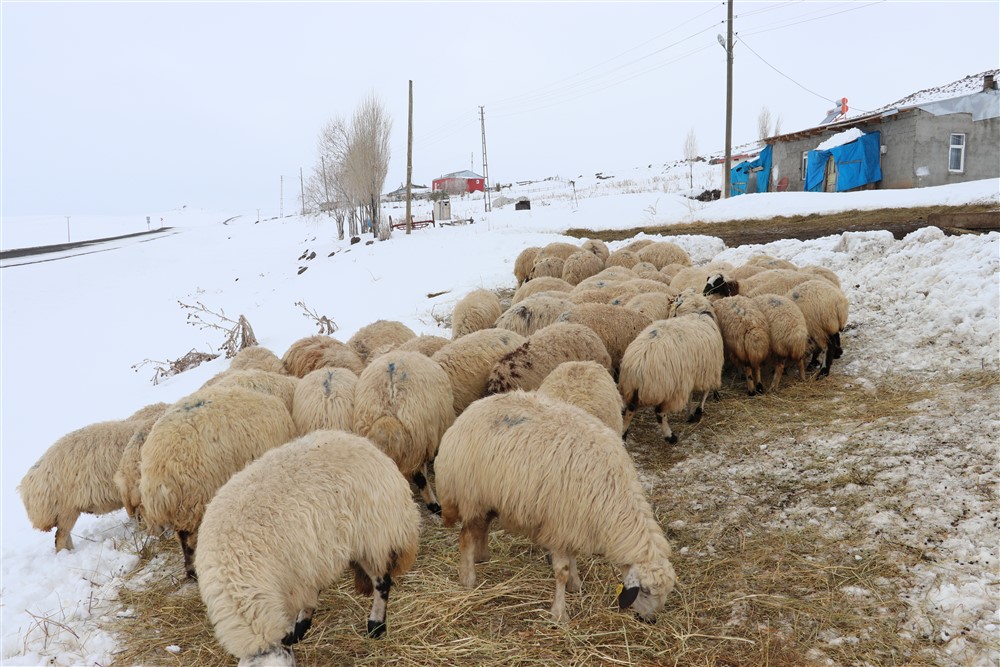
x=740 y=175
x=858 y=163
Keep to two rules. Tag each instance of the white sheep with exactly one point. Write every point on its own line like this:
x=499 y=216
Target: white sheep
x=787 y=332
x=616 y=327
x=425 y=344
x=126 y=477
x=560 y=249
x=324 y=400
x=526 y=367
x=275 y=384
x=196 y=446
x=769 y=262
x=523 y=263
x=372 y=336
x=589 y=386
x=771 y=281
x=403 y=403
x=287 y=526
x=653 y=305
x=825 y=309
x=596 y=247
x=695 y=277
x=478 y=309
x=671 y=359
x=746 y=337
x=547 y=267
x=622 y=257
x=534 y=313
x=662 y=253
x=822 y=272
x=307 y=354
x=256 y=357
x=544 y=284
x=671 y=270
x=638 y=244
x=76 y=474
x=557 y=475
x=581 y=265
x=469 y=360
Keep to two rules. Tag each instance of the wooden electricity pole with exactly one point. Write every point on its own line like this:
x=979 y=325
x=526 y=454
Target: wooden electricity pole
x=729 y=100
x=302 y=191
x=409 y=158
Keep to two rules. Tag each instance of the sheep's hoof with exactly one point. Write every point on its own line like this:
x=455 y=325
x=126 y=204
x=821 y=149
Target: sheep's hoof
x=434 y=508
x=823 y=372
x=376 y=628
x=695 y=416
x=760 y=387
x=672 y=439
x=191 y=574
x=651 y=620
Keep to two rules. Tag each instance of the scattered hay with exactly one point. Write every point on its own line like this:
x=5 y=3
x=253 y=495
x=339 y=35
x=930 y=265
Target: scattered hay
x=755 y=587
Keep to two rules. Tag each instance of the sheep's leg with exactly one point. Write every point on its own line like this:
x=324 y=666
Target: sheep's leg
x=380 y=601
x=760 y=385
x=661 y=419
x=631 y=405
x=748 y=374
x=64 y=526
x=481 y=540
x=834 y=344
x=426 y=492
x=802 y=369
x=187 y=548
x=828 y=357
x=302 y=624
x=779 y=370
x=698 y=411
x=473 y=534
x=573 y=584
x=561 y=569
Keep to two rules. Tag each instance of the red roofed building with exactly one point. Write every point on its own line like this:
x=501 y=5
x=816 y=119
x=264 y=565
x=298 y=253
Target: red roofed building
x=459 y=183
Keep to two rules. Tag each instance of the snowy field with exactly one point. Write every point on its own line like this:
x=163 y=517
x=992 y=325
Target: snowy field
x=75 y=324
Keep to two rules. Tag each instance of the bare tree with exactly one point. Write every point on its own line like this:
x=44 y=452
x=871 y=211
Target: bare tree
x=368 y=159
x=764 y=123
x=691 y=154
x=777 y=126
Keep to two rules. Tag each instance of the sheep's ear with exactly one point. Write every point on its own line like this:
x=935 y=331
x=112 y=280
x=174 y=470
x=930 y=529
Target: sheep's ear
x=627 y=596
x=629 y=589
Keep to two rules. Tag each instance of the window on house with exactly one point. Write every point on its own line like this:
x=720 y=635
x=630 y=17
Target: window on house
x=956 y=153
x=805 y=161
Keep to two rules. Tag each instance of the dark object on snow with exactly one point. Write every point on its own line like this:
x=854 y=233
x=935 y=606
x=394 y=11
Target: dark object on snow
x=355 y=239
x=302 y=269
x=709 y=195
x=522 y=205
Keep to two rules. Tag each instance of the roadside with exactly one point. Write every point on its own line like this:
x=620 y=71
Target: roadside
x=59 y=247
x=976 y=218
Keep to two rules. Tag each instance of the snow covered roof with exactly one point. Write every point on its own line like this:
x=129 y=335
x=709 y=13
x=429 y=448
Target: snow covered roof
x=465 y=173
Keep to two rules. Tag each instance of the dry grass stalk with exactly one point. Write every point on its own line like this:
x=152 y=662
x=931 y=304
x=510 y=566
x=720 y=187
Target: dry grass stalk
x=164 y=369
x=239 y=333
x=326 y=325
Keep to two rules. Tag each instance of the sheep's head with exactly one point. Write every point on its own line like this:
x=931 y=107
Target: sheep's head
x=717 y=285
x=645 y=588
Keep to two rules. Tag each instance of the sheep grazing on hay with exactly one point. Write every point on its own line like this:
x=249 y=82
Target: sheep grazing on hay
x=557 y=475
x=324 y=400
x=403 y=402
x=478 y=309
x=746 y=337
x=196 y=446
x=536 y=312
x=287 y=526
x=526 y=367
x=307 y=354
x=670 y=360
x=544 y=284
x=256 y=357
x=662 y=253
x=469 y=360
x=587 y=385
x=581 y=265
x=825 y=308
x=787 y=333
x=76 y=475
x=522 y=265
x=372 y=336
x=616 y=327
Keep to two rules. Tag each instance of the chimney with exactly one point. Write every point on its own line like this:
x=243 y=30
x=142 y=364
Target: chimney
x=989 y=83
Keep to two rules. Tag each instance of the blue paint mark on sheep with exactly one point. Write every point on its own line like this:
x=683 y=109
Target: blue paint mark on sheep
x=188 y=407
x=328 y=384
x=513 y=421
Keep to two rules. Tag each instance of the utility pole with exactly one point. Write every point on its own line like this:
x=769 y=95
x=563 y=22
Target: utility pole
x=302 y=191
x=326 y=185
x=67 y=229
x=486 y=167
x=729 y=99
x=409 y=157
x=281 y=199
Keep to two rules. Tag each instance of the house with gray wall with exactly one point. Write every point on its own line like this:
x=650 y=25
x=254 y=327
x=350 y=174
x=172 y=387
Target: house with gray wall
x=951 y=139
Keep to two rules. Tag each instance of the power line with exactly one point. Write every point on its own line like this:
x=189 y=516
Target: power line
x=852 y=8
x=744 y=43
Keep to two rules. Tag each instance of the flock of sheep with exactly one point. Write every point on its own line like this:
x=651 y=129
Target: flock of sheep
x=280 y=473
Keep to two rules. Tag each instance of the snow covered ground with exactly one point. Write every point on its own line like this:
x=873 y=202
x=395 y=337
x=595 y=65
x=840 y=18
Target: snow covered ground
x=925 y=307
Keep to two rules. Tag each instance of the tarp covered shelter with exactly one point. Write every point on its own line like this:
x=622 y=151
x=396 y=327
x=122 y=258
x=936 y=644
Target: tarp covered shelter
x=857 y=163
x=740 y=176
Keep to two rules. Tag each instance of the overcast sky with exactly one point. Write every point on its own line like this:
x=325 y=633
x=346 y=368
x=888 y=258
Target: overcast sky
x=126 y=108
